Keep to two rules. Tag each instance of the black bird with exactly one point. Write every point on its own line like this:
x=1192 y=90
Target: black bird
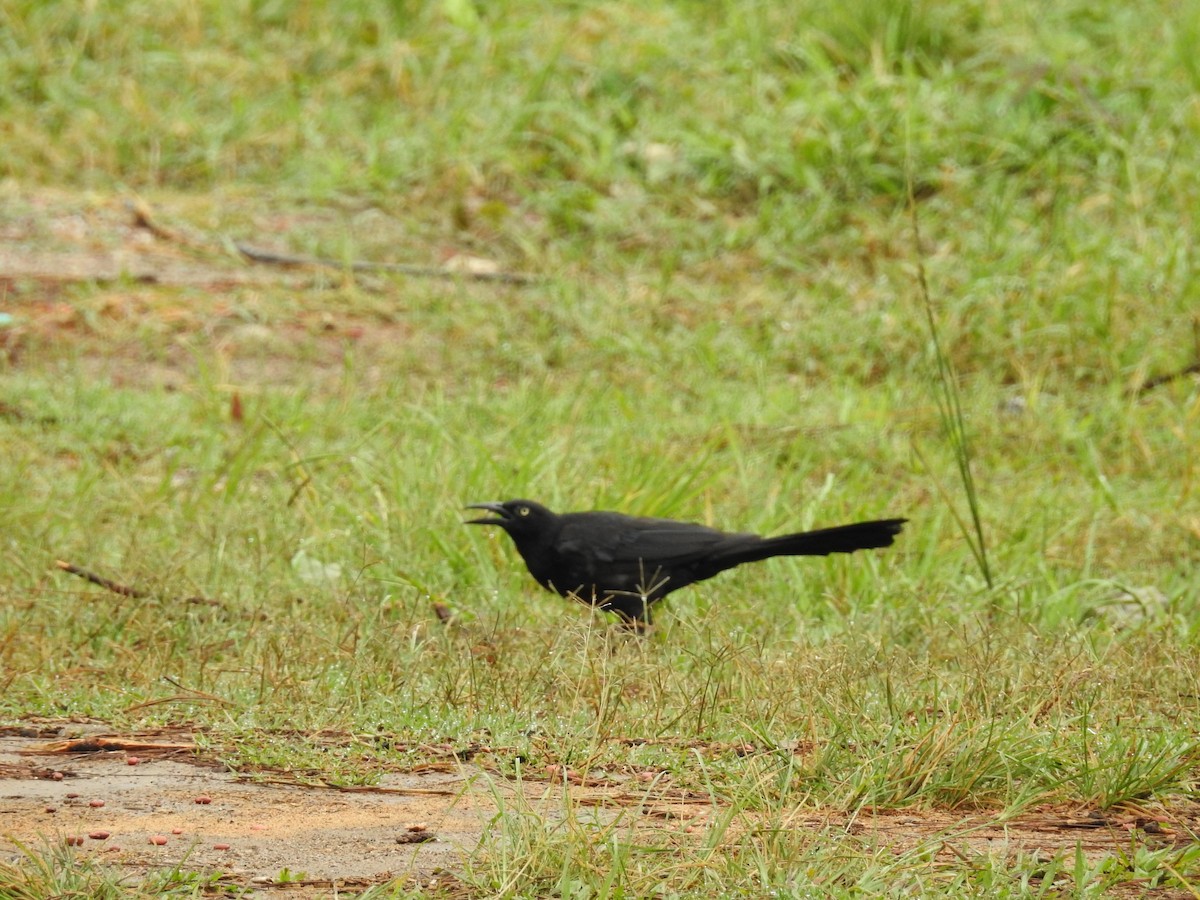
x=625 y=563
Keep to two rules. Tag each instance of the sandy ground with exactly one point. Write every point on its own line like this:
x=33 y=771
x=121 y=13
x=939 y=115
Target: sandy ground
x=409 y=825
x=265 y=829
x=70 y=784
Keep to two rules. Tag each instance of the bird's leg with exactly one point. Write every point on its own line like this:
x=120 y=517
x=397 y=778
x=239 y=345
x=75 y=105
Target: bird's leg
x=649 y=588
x=637 y=622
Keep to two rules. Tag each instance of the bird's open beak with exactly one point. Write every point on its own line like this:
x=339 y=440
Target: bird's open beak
x=497 y=508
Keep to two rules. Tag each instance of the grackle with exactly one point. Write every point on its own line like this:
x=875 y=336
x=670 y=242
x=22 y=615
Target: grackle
x=624 y=563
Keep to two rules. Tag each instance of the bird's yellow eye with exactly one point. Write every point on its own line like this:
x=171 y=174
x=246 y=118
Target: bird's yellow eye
x=523 y=511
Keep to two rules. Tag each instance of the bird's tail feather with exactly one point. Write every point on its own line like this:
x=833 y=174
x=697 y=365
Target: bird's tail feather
x=822 y=542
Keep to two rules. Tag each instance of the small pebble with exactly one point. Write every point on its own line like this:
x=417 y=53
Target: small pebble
x=58 y=776
x=132 y=761
x=99 y=835
x=72 y=796
x=415 y=837
x=51 y=809
x=176 y=831
x=158 y=839
x=220 y=846
x=95 y=804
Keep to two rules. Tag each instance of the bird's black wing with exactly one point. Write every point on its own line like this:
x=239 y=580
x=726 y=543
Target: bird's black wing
x=624 y=553
x=615 y=539
x=671 y=543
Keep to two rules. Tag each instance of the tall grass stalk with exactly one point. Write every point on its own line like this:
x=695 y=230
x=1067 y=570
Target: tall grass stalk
x=950 y=412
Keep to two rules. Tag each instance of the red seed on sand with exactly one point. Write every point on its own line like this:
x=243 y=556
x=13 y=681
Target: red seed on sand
x=95 y=804
x=70 y=796
x=204 y=799
x=74 y=840
x=99 y=835
x=158 y=839
x=176 y=831
x=220 y=846
x=57 y=776
x=132 y=761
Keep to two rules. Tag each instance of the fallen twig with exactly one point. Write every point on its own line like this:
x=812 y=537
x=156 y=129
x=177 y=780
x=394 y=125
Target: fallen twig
x=101 y=744
x=251 y=778
x=190 y=695
x=335 y=883
x=106 y=583
x=628 y=798
x=255 y=254
x=1151 y=383
x=178 y=698
x=123 y=589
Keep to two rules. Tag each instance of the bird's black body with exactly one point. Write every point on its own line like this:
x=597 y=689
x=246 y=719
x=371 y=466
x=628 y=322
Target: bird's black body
x=625 y=563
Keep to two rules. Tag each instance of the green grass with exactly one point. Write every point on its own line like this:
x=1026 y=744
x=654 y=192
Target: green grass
x=732 y=332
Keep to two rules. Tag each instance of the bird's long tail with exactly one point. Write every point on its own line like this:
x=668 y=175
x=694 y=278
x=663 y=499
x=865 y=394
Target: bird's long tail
x=822 y=542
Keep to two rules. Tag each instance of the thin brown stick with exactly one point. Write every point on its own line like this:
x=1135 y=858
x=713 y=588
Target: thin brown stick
x=255 y=254
x=143 y=217
x=1151 y=383
x=250 y=777
x=123 y=589
x=190 y=695
x=109 y=744
x=106 y=583
x=178 y=698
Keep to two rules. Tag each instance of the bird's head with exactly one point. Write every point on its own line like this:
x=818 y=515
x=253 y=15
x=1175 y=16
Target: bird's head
x=519 y=518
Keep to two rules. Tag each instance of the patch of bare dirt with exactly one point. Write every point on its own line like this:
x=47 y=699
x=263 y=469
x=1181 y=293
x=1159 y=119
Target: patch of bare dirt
x=175 y=808
x=135 y=298
x=171 y=809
